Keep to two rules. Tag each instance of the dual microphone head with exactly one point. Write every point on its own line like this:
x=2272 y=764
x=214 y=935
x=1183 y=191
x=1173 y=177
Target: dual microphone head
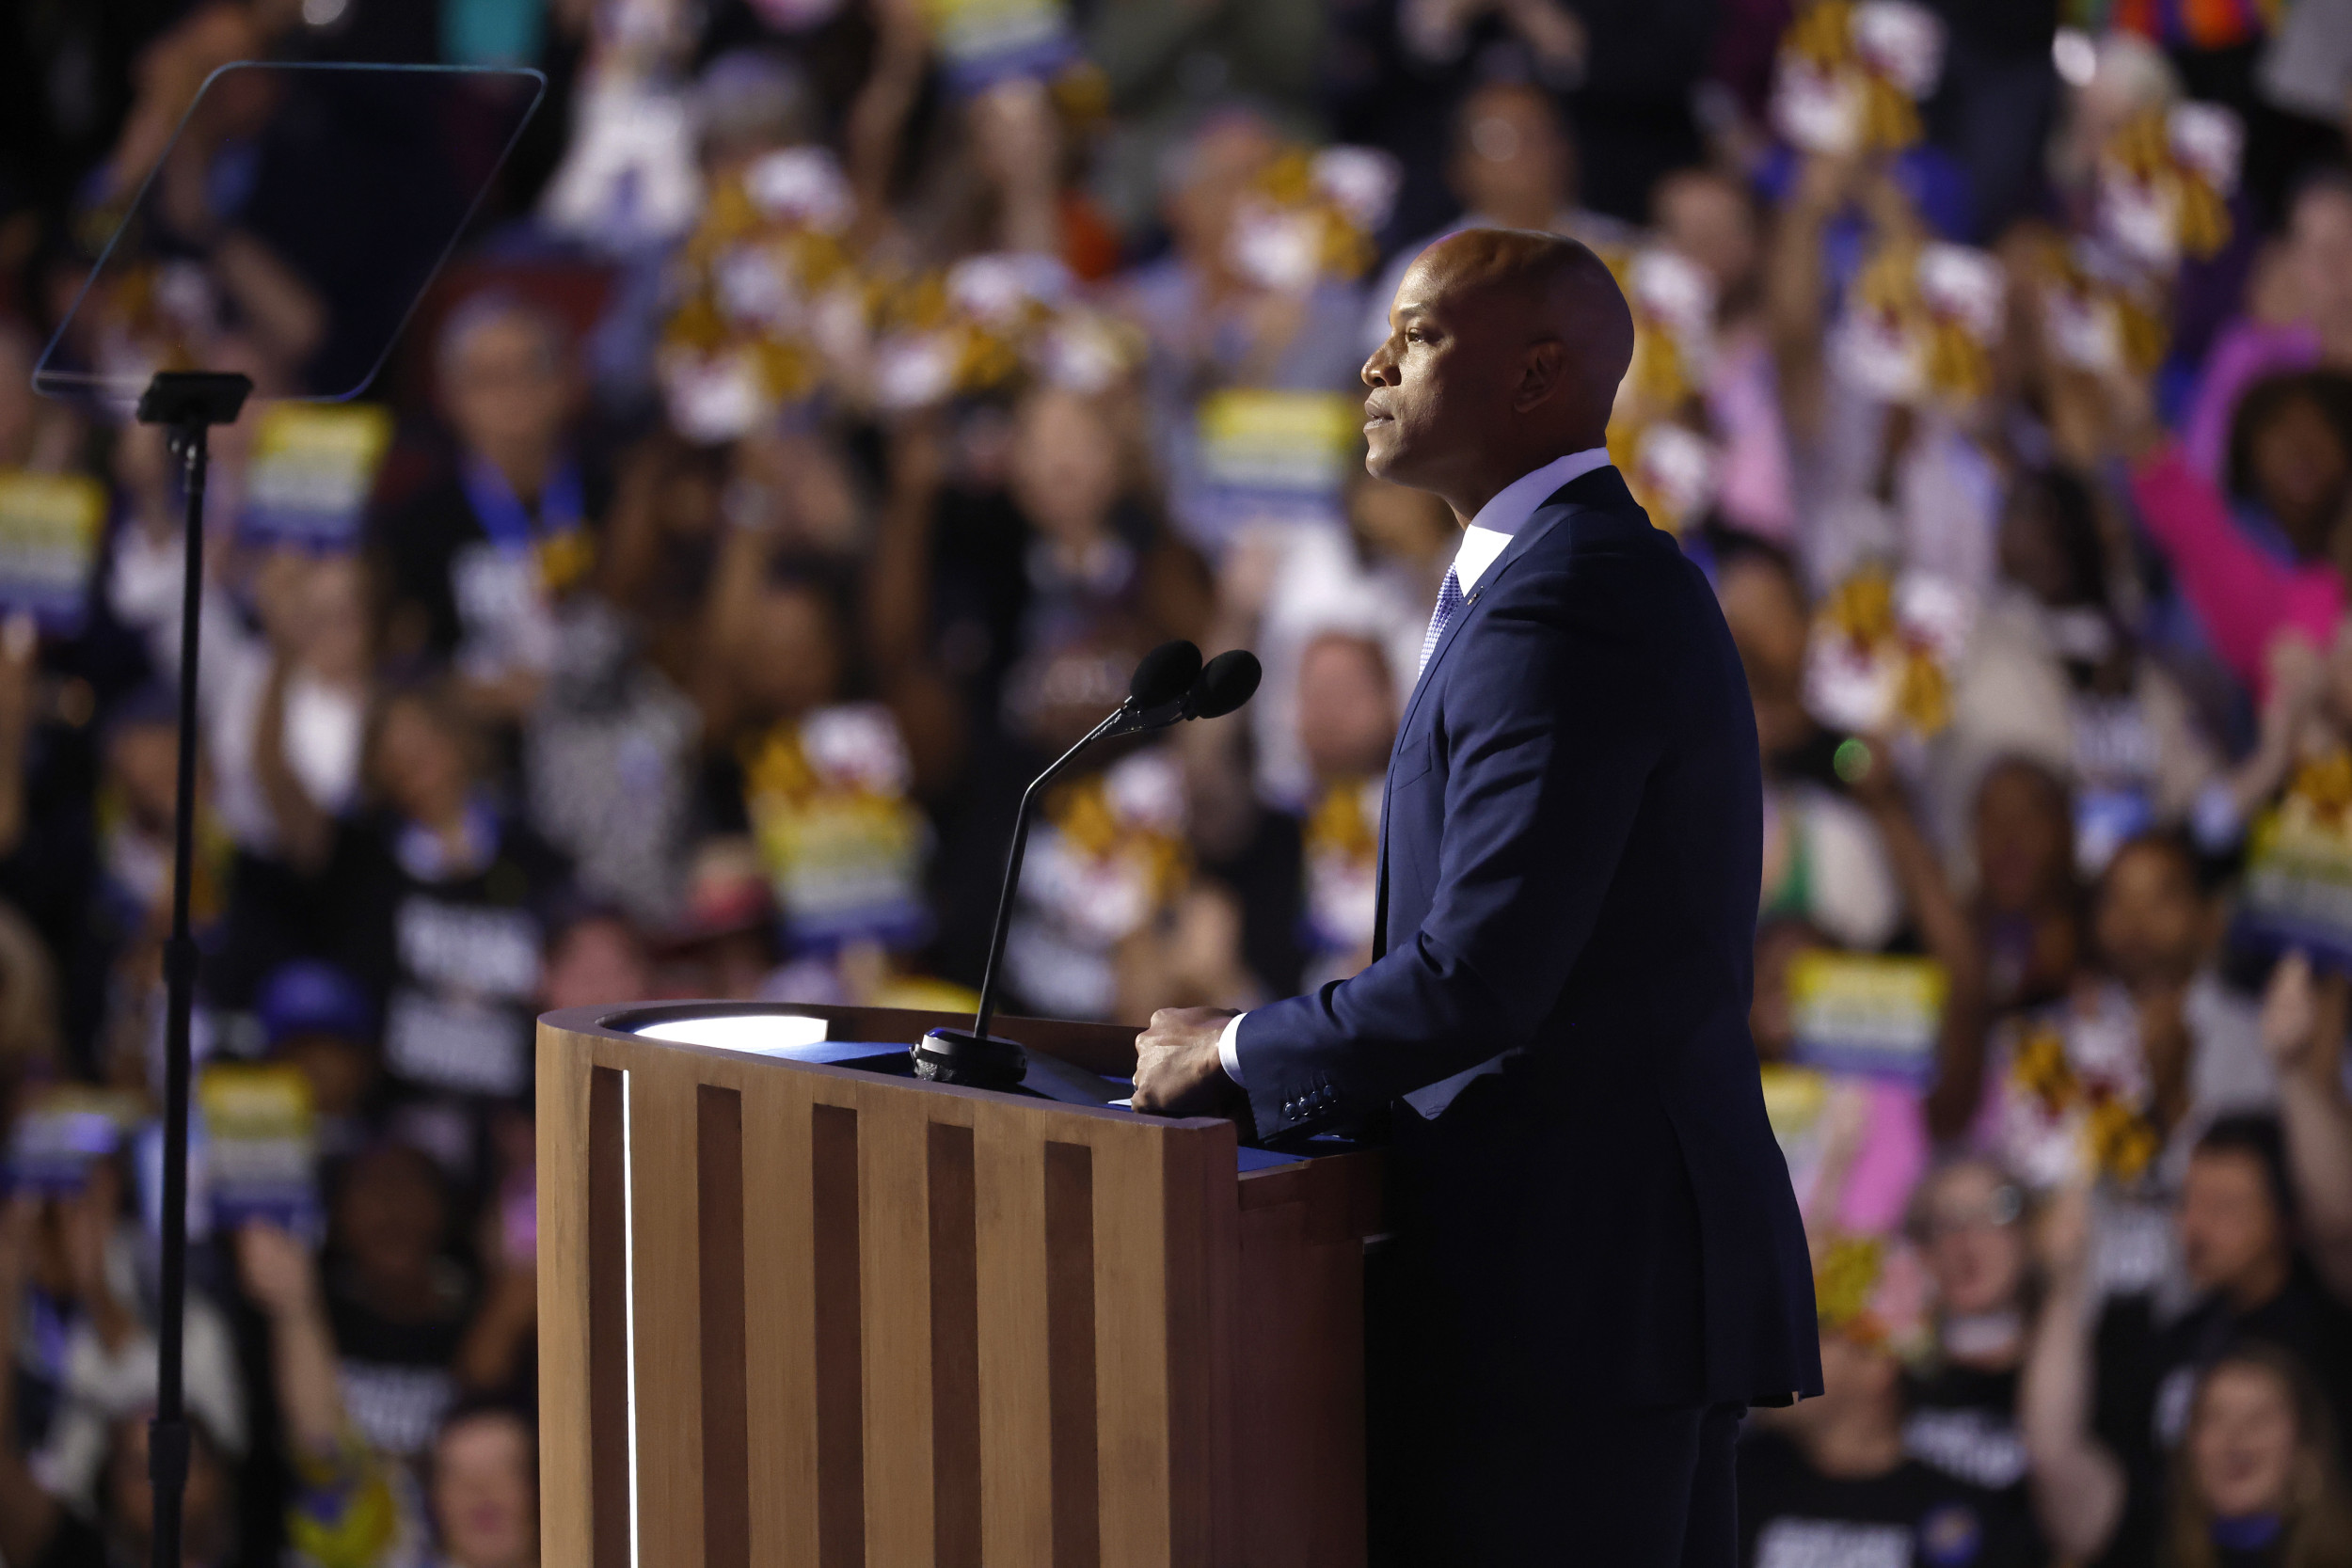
x=1171 y=684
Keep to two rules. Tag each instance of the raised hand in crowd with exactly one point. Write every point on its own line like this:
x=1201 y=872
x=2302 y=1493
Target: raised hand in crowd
x=20 y=653
x=29 y=1515
x=2304 y=1018
x=2078 y=1485
x=280 y=1276
x=1950 y=937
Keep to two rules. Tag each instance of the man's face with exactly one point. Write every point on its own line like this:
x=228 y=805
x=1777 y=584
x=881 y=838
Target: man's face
x=2230 y=1228
x=1442 y=380
x=505 y=389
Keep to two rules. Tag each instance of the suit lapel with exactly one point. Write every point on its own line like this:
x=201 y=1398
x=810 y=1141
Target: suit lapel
x=1602 y=490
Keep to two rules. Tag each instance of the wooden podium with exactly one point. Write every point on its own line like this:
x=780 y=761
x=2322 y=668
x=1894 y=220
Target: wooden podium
x=803 y=1315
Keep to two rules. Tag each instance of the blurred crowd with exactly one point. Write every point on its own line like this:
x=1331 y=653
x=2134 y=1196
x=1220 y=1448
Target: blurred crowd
x=825 y=405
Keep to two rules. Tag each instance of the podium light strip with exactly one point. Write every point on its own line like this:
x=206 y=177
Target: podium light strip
x=629 y=1318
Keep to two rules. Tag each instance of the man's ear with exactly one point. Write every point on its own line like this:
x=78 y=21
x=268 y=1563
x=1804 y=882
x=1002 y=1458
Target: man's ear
x=1543 y=370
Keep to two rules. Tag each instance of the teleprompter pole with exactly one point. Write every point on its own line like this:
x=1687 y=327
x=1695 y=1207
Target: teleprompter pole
x=187 y=404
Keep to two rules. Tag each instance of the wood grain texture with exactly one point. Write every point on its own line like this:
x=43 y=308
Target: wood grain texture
x=718 y=1254
x=839 y=1322
x=894 y=1313
x=664 y=1230
x=567 y=1452
x=780 y=1321
x=958 y=1327
x=1072 y=1453
x=956 y=1517
x=1017 y=1512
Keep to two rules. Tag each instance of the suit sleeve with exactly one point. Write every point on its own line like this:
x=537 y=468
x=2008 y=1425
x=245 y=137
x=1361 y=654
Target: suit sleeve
x=1552 y=724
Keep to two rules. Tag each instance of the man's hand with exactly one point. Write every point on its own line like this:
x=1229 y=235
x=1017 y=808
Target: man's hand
x=1177 y=1069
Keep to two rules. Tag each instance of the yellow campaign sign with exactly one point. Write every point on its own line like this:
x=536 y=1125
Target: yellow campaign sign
x=50 y=527
x=1270 y=448
x=313 y=467
x=1867 y=1013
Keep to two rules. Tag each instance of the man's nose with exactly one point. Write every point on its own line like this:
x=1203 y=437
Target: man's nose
x=1381 y=370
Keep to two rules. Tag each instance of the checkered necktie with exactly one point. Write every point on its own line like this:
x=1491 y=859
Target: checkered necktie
x=1449 y=605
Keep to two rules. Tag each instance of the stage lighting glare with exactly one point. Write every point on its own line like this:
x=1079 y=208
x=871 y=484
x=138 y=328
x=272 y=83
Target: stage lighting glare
x=759 y=1034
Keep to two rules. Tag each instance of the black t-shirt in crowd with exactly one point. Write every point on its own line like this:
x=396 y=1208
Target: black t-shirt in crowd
x=1963 y=1421
x=454 y=956
x=2147 y=1373
x=1913 y=1516
x=395 y=1376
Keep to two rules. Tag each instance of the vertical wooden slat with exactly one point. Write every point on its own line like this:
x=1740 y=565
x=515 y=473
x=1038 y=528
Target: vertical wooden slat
x=1130 y=1344
x=838 y=1322
x=1071 y=1373
x=1202 y=1237
x=611 y=1500
x=779 y=1319
x=567 y=1447
x=719 y=1246
x=663 y=1227
x=1016 y=1486
x=895 y=1240
x=956 y=1516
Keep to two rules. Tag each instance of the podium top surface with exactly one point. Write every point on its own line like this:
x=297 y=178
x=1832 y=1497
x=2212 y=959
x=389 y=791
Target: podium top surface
x=1103 y=1048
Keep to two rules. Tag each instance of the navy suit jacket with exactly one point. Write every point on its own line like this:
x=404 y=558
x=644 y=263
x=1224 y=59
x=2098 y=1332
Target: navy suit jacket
x=1570 y=847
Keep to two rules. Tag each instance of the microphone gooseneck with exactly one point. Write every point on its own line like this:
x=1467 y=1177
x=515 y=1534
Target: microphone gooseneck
x=1164 y=675
x=1169 y=686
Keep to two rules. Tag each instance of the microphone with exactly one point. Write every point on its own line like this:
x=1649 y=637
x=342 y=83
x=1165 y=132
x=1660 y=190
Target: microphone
x=1168 y=687
x=1231 y=679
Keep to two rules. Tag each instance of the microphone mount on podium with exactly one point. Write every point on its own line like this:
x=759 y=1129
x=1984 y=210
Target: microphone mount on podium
x=1169 y=686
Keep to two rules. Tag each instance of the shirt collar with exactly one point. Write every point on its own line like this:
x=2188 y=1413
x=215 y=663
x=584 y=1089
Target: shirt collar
x=1512 y=506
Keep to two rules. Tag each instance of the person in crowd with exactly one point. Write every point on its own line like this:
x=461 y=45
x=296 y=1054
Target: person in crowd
x=2297 y=315
x=2053 y=671
x=38 y=1528
x=1831 y=1474
x=474 y=563
x=1710 y=218
x=318 y=1018
x=397 y=1302
x=89 y=1358
x=1213 y=325
x=483 y=1488
x=440 y=897
x=597 y=956
x=2303 y=1026
x=2291 y=452
x=1970 y=1222
x=2237 y=1217
x=2029 y=912
x=2257 y=1482
x=1514 y=167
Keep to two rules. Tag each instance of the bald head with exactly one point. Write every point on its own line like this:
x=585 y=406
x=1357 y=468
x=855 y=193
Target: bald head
x=1504 y=350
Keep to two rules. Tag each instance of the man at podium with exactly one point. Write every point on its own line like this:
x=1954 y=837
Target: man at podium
x=1599 y=1263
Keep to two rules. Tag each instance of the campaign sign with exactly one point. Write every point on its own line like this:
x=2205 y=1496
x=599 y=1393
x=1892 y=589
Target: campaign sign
x=1862 y=1013
x=2299 y=884
x=259 y=1148
x=313 y=468
x=50 y=526
x=1276 y=454
x=986 y=41
x=65 y=1131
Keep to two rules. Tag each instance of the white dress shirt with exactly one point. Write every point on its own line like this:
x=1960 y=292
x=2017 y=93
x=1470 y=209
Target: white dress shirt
x=1488 y=537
